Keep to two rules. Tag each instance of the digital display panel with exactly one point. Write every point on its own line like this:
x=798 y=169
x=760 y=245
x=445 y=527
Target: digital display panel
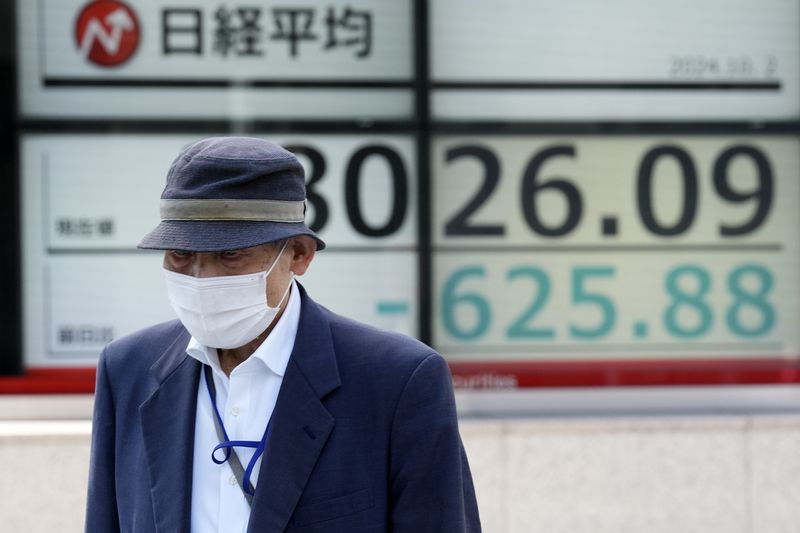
x=538 y=190
x=616 y=247
x=629 y=247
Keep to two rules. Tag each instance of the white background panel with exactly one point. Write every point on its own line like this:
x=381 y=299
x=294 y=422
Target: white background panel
x=617 y=39
x=389 y=55
x=120 y=177
x=85 y=285
x=80 y=301
x=379 y=288
x=604 y=170
x=636 y=288
x=89 y=299
x=620 y=41
x=48 y=51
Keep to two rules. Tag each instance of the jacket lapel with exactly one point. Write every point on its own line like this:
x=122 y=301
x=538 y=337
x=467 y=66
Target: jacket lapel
x=301 y=424
x=167 y=418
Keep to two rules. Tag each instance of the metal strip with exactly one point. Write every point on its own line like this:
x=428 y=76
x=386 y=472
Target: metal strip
x=259 y=210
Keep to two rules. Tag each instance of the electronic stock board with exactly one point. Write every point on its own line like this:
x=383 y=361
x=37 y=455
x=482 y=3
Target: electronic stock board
x=549 y=193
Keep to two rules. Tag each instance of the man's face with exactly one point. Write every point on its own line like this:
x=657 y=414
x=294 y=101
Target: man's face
x=236 y=262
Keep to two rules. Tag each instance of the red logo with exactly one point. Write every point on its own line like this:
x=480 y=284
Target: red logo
x=107 y=32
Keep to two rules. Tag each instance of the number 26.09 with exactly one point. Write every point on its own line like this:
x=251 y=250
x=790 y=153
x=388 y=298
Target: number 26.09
x=534 y=182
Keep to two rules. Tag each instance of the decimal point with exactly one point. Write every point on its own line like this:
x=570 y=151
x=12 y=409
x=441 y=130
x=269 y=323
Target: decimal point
x=609 y=225
x=640 y=329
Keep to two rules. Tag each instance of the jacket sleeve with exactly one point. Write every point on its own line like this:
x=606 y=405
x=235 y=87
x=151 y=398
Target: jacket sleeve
x=430 y=485
x=101 y=507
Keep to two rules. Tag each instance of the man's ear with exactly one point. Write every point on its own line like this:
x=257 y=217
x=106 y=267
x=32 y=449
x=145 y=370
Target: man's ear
x=302 y=249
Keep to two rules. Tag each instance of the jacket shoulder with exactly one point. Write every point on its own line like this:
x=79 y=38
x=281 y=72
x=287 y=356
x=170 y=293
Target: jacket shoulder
x=141 y=348
x=379 y=364
x=359 y=339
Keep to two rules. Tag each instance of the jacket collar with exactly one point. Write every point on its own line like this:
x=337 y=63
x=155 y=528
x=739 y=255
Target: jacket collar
x=167 y=419
x=301 y=424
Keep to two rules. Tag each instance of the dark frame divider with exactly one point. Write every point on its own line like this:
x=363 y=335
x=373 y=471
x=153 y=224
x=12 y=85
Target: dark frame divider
x=10 y=266
x=424 y=207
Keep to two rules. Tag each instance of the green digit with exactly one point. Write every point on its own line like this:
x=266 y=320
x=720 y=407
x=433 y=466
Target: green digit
x=450 y=300
x=692 y=300
x=755 y=299
x=581 y=295
x=522 y=328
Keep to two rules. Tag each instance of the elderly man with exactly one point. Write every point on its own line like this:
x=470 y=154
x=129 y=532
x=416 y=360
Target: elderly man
x=258 y=410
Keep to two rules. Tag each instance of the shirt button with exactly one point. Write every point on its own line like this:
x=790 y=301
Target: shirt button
x=232 y=480
x=235 y=411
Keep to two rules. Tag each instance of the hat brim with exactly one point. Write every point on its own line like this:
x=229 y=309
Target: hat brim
x=221 y=235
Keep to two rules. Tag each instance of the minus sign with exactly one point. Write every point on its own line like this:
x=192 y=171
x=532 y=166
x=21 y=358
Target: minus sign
x=392 y=308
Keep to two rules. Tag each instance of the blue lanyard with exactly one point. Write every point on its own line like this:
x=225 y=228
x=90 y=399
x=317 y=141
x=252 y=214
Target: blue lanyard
x=227 y=445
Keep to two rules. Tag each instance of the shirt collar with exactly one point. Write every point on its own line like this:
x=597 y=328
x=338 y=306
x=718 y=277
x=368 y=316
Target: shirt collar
x=276 y=349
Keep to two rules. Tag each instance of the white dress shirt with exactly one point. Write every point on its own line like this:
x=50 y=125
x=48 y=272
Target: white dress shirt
x=245 y=401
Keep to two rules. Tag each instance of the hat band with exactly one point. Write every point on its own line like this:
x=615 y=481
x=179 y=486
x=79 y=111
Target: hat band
x=259 y=210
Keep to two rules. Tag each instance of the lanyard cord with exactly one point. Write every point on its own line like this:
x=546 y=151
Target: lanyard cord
x=242 y=475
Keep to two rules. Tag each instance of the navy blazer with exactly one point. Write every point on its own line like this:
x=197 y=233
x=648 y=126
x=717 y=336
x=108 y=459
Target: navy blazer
x=364 y=436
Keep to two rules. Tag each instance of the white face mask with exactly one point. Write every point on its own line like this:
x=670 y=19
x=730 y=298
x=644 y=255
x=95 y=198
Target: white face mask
x=223 y=311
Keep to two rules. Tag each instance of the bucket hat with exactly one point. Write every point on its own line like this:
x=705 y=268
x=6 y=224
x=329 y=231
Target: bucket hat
x=228 y=193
